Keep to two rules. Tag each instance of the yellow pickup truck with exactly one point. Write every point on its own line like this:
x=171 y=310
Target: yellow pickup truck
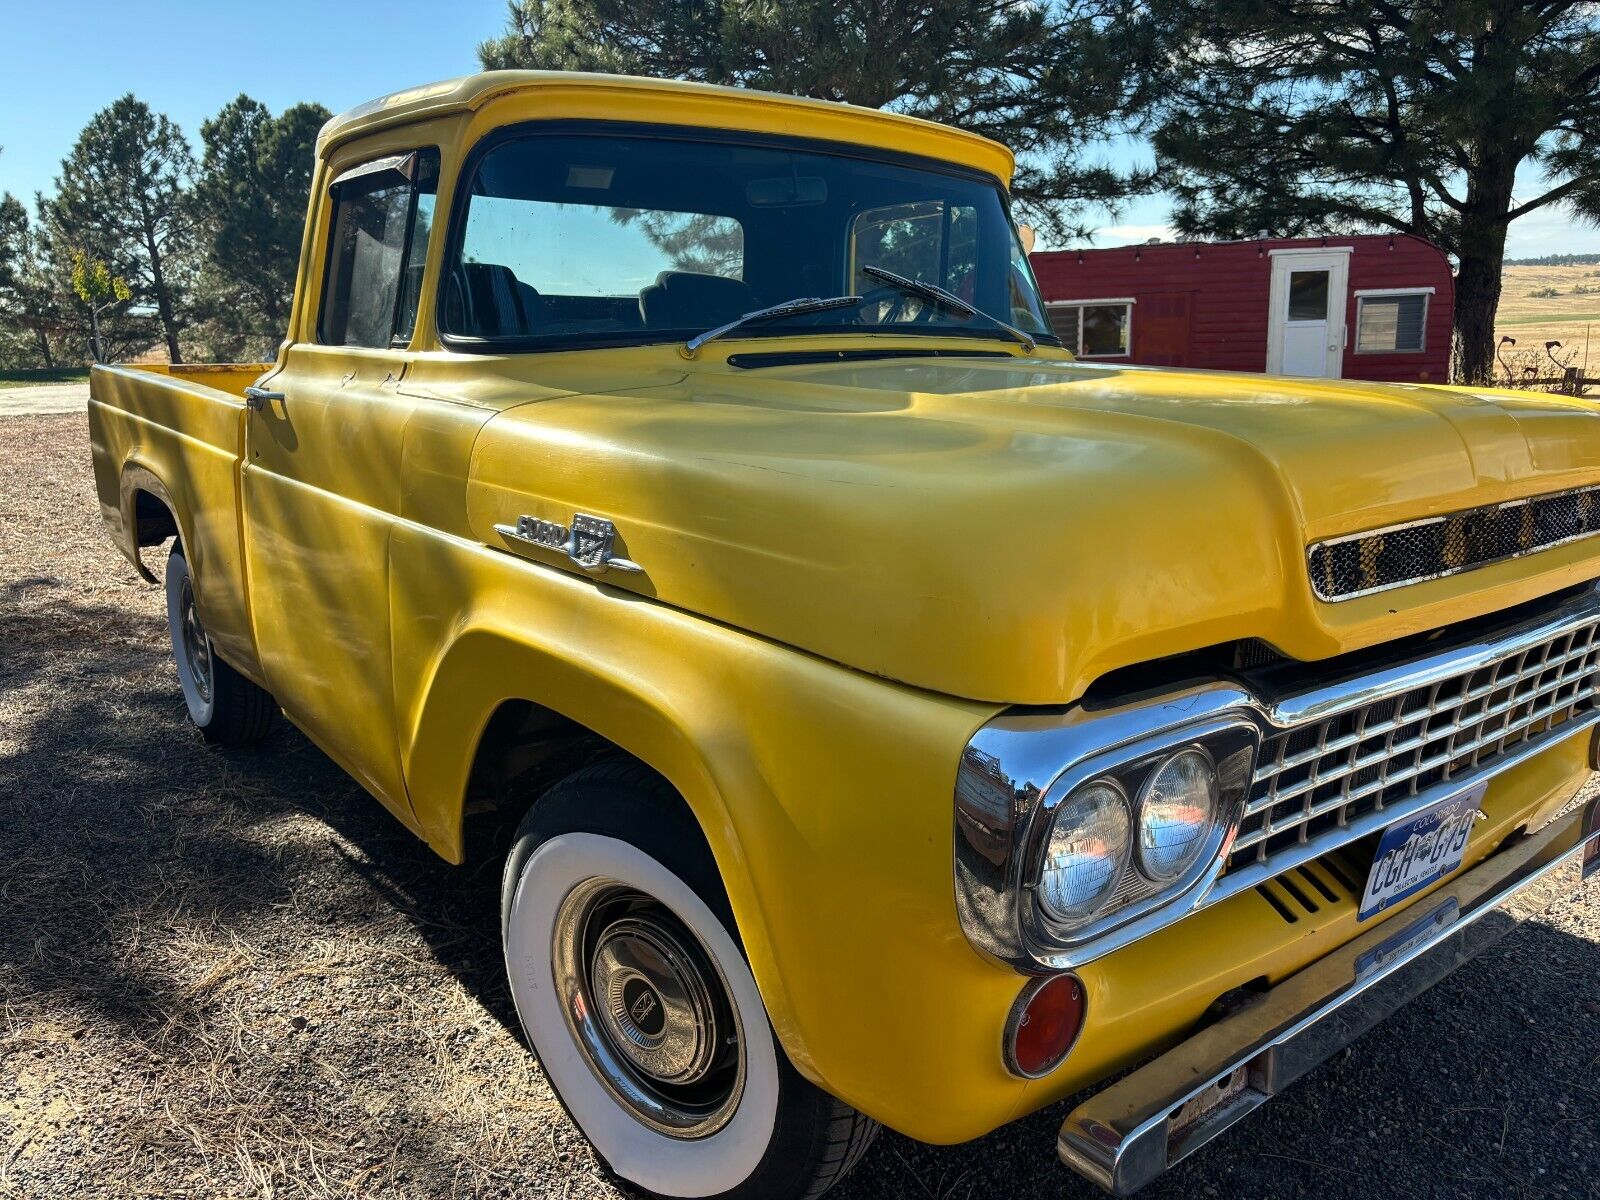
x=908 y=723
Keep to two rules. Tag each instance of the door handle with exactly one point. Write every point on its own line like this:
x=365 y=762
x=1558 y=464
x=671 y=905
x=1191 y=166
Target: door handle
x=256 y=399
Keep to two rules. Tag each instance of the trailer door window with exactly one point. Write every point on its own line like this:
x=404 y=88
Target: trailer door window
x=1392 y=323
x=1308 y=296
x=1094 y=328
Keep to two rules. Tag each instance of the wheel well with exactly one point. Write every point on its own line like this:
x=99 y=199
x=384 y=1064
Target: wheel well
x=153 y=522
x=524 y=750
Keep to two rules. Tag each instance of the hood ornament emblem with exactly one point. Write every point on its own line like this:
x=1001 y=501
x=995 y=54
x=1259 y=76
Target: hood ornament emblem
x=588 y=541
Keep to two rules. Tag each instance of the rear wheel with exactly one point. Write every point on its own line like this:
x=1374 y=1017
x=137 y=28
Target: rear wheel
x=226 y=708
x=631 y=985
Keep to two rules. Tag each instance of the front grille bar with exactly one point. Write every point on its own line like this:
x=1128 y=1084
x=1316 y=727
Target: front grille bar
x=1392 y=747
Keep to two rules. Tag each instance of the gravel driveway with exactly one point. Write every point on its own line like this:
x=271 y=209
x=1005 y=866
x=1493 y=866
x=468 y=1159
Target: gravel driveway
x=232 y=974
x=44 y=399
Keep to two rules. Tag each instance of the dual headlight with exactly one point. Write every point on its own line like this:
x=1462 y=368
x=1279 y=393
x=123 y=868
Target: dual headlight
x=1140 y=831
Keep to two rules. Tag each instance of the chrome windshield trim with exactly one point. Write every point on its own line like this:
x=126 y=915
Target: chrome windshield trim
x=1022 y=761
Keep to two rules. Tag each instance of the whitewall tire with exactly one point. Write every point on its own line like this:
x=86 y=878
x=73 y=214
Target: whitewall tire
x=670 y=1166
x=224 y=706
x=636 y=996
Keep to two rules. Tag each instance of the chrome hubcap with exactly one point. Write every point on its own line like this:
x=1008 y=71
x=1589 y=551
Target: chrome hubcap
x=196 y=648
x=648 y=1008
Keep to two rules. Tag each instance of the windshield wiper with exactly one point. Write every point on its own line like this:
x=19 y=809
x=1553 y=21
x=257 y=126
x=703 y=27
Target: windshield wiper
x=789 y=308
x=935 y=294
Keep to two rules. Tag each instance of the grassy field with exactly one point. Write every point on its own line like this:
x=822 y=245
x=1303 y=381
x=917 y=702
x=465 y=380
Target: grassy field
x=16 y=379
x=1571 y=317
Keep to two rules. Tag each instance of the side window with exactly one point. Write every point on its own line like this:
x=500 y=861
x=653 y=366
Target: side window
x=929 y=240
x=382 y=213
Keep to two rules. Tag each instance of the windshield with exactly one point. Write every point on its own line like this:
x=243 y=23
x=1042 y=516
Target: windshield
x=612 y=239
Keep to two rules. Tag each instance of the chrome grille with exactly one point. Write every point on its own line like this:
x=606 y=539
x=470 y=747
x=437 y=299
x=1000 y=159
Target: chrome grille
x=1326 y=773
x=1359 y=564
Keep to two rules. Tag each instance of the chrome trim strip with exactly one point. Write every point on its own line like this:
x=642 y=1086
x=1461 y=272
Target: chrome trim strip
x=1020 y=764
x=1386 y=530
x=1333 y=698
x=1125 y=1136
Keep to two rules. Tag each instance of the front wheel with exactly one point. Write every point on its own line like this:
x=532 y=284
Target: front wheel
x=631 y=986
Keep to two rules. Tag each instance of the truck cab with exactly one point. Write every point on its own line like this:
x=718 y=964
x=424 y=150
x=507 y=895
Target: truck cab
x=908 y=724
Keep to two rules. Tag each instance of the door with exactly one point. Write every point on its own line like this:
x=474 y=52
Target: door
x=1306 y=330
x=1165 y=338
x=322 y=479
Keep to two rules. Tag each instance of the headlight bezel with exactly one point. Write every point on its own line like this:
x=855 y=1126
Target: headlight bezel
x=1230 y=743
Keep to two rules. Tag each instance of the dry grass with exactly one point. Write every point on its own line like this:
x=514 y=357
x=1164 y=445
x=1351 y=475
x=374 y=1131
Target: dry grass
x=1571 y=317
x=221 y=974
x=233 y=975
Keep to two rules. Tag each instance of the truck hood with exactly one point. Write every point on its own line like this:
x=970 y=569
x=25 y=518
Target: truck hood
x=1009 y=530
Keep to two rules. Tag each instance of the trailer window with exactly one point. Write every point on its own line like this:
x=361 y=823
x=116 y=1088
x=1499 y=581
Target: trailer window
x=382 y=214
x=1391 y=322
x=1094 y=328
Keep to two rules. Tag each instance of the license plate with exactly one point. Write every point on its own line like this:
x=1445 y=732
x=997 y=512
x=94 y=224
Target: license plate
x=1420 y=850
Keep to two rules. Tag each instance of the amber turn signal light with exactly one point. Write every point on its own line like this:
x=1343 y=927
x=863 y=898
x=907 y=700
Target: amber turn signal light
x=1044 y=1024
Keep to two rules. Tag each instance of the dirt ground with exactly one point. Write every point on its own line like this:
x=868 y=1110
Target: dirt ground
x=231 y=974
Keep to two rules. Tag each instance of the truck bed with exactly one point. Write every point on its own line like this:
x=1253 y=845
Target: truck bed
x=168 y=438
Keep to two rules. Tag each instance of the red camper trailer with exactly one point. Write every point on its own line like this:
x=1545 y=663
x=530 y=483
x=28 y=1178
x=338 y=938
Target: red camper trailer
x=1364 y=307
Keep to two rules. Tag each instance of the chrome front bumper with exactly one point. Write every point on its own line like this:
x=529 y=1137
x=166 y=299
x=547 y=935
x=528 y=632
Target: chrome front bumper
x=1126 y=1135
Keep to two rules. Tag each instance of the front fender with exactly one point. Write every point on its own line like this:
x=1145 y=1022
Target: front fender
x=825 y=794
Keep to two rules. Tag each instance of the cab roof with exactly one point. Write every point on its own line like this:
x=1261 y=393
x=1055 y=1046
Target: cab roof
x=628 y=97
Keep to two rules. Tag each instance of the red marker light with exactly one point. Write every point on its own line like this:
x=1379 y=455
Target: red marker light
x=1044 y=1024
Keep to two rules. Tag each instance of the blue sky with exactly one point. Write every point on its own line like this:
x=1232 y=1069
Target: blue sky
x=187 y=59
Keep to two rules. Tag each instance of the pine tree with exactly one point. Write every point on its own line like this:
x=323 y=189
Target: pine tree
x=249 y=204
x=1045 y=79
x=44 y=321
x=121 y=197
x=1414 y=117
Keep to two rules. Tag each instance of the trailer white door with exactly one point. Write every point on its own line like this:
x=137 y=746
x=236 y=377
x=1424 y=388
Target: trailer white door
x=1306 y=329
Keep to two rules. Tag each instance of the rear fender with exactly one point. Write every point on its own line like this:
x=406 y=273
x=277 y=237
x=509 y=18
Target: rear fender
x=134 y=534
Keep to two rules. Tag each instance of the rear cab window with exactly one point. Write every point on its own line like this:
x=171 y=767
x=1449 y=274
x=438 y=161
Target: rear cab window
x=377 y=243
x=932 y=241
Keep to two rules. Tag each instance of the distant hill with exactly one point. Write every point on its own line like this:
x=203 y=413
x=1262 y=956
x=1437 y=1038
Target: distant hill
x=1555 y=260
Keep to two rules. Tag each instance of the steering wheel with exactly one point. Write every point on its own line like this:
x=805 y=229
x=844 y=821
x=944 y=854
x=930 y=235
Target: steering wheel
x=898 y=301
